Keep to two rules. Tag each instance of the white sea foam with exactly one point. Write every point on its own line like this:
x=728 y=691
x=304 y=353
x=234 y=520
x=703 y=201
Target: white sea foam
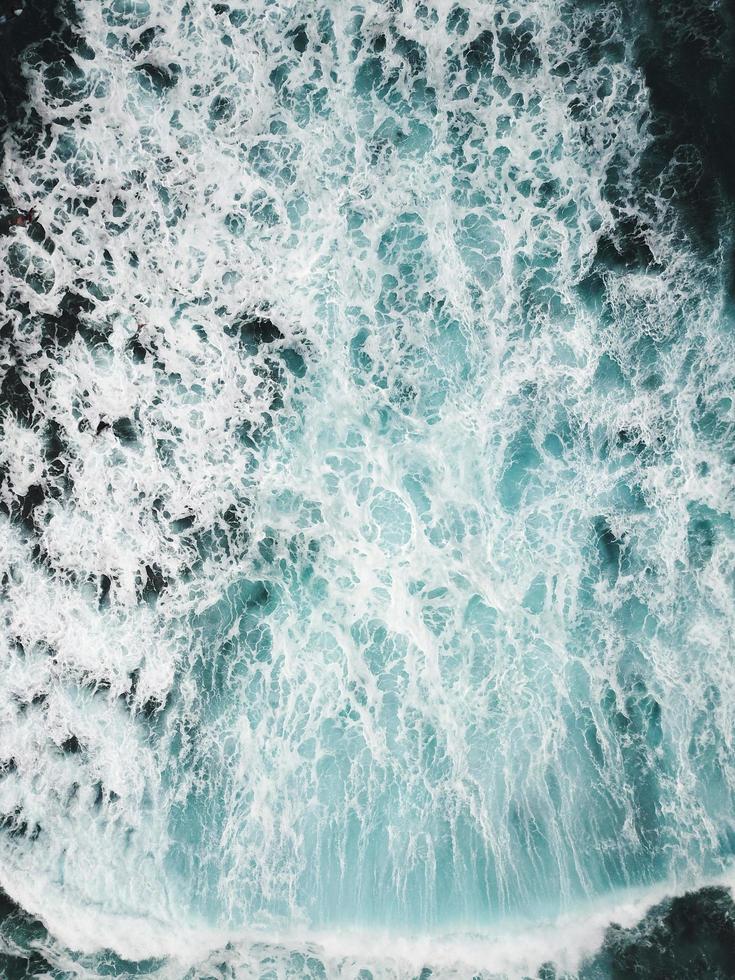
x=387 y=583
x=515 y=952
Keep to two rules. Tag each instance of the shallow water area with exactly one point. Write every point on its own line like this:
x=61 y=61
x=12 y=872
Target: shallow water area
x=367 y=568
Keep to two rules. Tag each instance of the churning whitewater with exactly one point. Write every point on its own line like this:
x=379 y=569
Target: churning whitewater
x=366 y=532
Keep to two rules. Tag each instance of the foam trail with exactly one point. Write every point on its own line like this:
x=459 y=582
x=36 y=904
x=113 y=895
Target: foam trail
x=367 y=535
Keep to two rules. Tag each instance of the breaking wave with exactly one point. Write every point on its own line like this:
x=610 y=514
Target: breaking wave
x=366 y=551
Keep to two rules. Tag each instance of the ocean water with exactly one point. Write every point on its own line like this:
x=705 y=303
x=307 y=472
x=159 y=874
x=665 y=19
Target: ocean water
x=367 y=535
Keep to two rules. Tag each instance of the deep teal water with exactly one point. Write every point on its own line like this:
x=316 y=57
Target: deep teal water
x=367 y=446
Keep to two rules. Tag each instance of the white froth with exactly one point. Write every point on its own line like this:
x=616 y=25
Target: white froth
x=325 y=602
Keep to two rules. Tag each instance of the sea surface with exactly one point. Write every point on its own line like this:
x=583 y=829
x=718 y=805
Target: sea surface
x=367 y=514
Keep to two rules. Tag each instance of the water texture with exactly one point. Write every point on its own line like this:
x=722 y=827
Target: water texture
x=366 y=489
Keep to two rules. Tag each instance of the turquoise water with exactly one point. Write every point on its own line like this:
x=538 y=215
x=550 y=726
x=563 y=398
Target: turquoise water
x=367 y=566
